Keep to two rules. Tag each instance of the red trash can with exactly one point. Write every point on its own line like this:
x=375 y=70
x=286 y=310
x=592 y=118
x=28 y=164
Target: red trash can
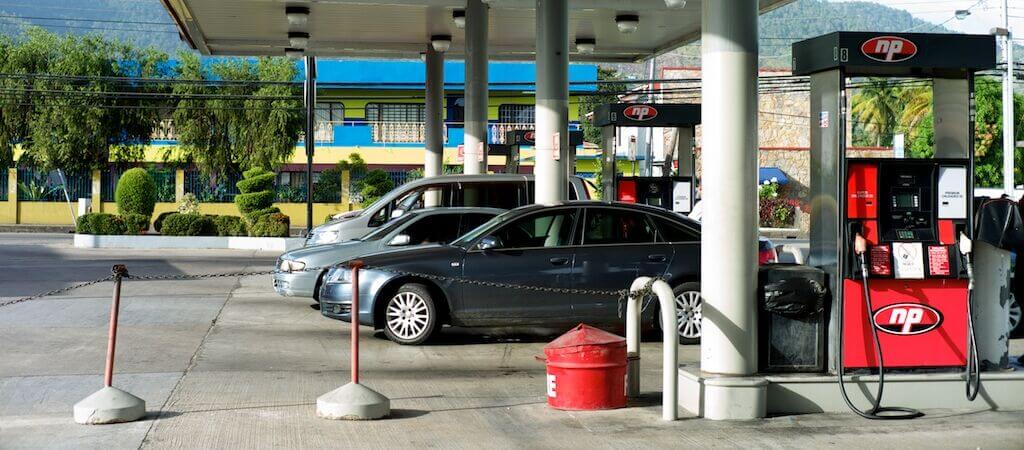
x=586 y=369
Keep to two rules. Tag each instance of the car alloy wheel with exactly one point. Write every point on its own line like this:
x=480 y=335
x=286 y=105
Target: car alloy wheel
x=688 y=313
x=409 y=316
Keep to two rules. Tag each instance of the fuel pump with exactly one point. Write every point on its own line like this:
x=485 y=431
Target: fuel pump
x=893 y=233
x=515 y=139
x=674 y=192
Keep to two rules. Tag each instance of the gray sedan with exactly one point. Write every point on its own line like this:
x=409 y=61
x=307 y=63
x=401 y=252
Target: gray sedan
x=424 y=226
x=576 y=245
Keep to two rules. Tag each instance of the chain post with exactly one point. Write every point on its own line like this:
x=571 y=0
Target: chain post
x=118 y=272
x=354 y=315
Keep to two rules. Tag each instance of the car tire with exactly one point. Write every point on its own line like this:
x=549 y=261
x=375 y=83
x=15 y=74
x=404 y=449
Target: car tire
x=318 y=285
x=410 y=317
x=688 y=312
x=1015 y=310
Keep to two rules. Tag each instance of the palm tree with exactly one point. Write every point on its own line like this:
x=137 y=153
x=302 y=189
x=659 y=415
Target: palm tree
x=877 y=106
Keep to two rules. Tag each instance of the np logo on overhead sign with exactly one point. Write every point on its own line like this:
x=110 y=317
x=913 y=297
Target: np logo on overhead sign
x=907 y=319
x=889 y=49
x=529 y=136
x=640 y=112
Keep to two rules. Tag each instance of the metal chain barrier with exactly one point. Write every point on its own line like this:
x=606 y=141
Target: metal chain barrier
x=56 y=291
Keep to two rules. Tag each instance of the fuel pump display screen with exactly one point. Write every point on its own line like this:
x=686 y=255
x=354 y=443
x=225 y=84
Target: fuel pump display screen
x=906 y=201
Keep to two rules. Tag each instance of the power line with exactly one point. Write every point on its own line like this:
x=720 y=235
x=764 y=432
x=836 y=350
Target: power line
x=75 y=19
x=74 y=27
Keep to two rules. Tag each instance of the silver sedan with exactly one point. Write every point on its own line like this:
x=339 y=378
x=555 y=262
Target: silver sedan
x=301 y=271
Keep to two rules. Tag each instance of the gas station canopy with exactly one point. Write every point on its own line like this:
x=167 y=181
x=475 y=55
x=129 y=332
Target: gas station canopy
x=402 y=28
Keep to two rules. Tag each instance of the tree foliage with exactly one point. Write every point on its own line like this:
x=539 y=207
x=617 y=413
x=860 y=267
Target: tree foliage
x=589 y=103
x=62 y=120
x=242 y=124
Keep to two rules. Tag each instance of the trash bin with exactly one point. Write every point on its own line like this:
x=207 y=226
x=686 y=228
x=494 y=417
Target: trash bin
x=793 y=303
x=586 y=370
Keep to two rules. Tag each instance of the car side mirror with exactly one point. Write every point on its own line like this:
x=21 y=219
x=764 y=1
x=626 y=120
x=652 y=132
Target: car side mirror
x=402 y=239
x=489 y=243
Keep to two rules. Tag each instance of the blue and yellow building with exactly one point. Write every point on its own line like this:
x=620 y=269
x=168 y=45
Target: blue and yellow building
x=371 y=107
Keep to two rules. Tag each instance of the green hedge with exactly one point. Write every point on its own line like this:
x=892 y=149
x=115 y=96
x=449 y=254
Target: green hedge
x=159 y=222
x=136 y=193
x=229 y=226
x=135 y=223
x=271 y=225
x=188 y=225
x=100 y=223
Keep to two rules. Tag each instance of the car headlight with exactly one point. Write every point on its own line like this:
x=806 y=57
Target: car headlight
x=339 y=275
x=288 y=265
x=325 y=237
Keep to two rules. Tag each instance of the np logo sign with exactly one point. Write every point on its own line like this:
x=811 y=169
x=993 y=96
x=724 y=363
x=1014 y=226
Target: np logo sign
x=529 y=136
x=907 y=319
x=889 y=49
x=640 y=112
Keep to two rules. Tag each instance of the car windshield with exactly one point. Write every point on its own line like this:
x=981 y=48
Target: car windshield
x=479 y=231
x=385 y=230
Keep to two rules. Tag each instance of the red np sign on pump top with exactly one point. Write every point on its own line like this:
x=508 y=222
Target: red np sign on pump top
x=640 y=112
x=889 y=49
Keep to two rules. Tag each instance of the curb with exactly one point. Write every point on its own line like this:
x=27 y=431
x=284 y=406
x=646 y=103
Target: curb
x=188 y=242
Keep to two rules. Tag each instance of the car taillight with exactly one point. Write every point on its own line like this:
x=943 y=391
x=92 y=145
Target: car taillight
x=767 y=256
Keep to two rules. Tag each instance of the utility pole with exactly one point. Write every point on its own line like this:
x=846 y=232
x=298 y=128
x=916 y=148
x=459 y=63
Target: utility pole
x=1009 y=142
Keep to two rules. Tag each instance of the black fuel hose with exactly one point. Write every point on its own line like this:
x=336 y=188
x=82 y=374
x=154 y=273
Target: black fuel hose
x=877 y=411
x=973 y=369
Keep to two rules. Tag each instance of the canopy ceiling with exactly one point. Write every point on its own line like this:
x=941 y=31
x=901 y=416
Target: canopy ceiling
x=402 y=28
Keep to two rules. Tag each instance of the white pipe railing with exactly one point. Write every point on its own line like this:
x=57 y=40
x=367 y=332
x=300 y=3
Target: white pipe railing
x=670 y=344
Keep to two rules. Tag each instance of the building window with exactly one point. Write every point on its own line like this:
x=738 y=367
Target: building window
x=516 y=114
x=396 y=112
x=330 y=112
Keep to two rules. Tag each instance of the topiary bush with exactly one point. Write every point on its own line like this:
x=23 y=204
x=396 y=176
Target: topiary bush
x=100 y=223
x=135 y=223
x=188 y=225
x=159 y=222
x=256 y=201
x=271 y=225
x=229 y=226
x=136 y=193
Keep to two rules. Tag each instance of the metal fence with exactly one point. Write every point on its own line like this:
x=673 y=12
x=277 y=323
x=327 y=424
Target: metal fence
x=399 y=177
x=3 y=185
x=207 y=189
x=164 y=179
x=36 y=185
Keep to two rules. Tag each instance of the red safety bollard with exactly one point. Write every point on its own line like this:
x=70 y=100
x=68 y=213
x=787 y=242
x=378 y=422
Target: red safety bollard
x=355 y=265
x=119 y=271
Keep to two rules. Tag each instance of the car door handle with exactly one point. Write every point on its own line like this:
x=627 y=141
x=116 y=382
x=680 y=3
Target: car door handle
x=656 y=258
x=559 y=261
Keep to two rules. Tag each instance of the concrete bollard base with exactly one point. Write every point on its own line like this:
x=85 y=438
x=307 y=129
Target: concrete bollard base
x=353 y=402
x=109 y=405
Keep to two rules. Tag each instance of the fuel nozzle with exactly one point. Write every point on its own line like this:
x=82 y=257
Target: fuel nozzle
x=966 y=248
x=860 y=245
x=965 y=244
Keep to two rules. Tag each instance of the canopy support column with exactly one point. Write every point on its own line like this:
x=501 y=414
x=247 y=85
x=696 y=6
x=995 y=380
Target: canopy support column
x=310 y=137
x=553 y=157
x=475 y=148
x=434 y=126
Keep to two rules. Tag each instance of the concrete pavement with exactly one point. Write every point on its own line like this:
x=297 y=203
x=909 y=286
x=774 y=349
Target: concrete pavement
x=225 y=363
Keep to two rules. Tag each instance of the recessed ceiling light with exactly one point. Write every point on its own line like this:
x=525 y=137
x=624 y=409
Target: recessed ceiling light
x=441 y=42
x=298 y=16
x=459 y=17
x=298 y=39
x=627 y=23
x=293 y=53
x=586 y=45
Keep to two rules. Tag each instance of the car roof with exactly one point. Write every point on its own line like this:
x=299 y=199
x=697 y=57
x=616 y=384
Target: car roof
x=456 y=210
x=595 y=203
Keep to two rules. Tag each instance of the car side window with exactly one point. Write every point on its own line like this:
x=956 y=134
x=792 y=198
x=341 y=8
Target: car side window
x=549 y=229
x=471 y=221
x=436 y=229
x=611 y=226
x=669 y=231
x=497 y=195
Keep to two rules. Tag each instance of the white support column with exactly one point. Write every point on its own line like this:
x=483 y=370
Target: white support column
x=550 y=167
x=729 y=239
x=434 y=126
x=476 y=87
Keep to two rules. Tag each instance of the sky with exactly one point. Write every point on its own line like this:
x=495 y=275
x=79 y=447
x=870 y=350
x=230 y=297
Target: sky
x=985 y=14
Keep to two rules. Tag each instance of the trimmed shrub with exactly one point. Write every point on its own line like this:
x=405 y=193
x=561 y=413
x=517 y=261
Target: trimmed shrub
x=136 y=193
x=254 y=201
x=188 y=225
x=229 y=226
x=135 y=223
x=375 y=184
x=271 y=225
x=159 y=222
x=100 y=223
x=189 y=204
x=260 y=182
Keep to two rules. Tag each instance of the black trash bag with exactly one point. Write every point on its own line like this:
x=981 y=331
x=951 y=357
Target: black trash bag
x=999 y=223
x=794 y=297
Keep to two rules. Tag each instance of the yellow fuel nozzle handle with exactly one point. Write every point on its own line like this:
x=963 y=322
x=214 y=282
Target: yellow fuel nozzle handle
x=860 y=245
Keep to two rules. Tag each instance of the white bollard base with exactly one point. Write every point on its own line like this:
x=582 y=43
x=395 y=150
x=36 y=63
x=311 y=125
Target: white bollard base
x=353 y=402
x=109 y=405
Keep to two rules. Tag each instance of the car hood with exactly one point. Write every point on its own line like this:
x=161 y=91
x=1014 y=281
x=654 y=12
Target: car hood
x=333 y=224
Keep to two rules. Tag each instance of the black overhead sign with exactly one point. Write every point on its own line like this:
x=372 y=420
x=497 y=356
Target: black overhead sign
x=895 y=54
x=527 y=137
x=647 y=115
